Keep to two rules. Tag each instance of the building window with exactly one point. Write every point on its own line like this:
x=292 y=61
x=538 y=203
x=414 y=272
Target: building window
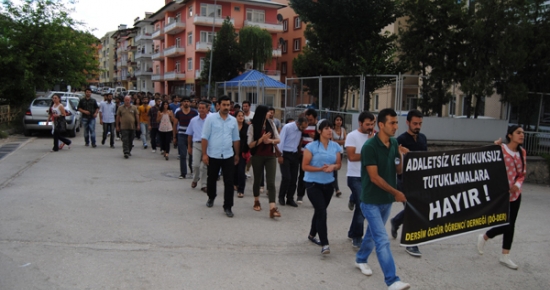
x=284 y=47
x=201 y=63
x=190 y=64
x=177 y=68
x=190 y=11
x=190 y=38
x=255 y=15
x=297 y=44
x=283 y=67
x=178 y=42
x=207 y=36
x=297 y=22
x=285 y=25
x=412 y=102
x=209 y=9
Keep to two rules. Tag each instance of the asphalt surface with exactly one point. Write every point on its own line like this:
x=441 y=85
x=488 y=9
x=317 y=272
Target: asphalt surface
x=86 y=218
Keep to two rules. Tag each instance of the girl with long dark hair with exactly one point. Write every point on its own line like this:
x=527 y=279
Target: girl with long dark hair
x=321 y=158
x=56 y=111
x=515 y=160
x=262 y=138
x=165 y=118
x=239 y=179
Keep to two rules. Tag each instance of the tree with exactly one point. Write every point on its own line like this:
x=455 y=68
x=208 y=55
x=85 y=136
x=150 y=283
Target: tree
x=256 y=45
x=344 y=38
x=227 y=55
x=41 y=45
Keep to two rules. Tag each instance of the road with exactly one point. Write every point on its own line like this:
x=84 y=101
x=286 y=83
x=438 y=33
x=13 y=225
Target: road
x=87 y=218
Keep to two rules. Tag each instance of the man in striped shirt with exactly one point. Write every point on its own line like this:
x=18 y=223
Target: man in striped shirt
x=183 y=118
x=307 y=137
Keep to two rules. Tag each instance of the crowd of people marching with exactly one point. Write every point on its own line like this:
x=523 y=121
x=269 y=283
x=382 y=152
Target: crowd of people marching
x=218 y=139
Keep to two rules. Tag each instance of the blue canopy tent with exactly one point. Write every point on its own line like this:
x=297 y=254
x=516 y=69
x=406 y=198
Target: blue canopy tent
x=254 y=86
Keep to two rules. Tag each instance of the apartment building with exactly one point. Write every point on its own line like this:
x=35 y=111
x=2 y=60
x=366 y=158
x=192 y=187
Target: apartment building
x=106 y=53
x=143 y=40
x=124 y=56
x=183 y=35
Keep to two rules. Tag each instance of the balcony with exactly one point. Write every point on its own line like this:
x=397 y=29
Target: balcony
x=173 y=75
x=158 y=34
x=158 y=56
x=139 y=54
x=123 y=77
x=174 y=51
x=131 y=62
x=174 y=27
x=208 y=20
x=123 y=64
x=131 y=47
x=146 y=72
x=277 y=52
x=143 y=36
x=198 y=74
x=119 y=64
x=270 y=27
x=157 y=78
x=203 y=46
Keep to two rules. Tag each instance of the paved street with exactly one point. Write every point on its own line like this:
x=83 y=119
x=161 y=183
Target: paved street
x=87 y=218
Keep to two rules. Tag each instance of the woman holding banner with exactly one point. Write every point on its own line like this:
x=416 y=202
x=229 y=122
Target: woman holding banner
x=515 y=160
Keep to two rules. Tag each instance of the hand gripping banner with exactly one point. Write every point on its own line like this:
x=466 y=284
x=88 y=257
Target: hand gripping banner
x=453 y=192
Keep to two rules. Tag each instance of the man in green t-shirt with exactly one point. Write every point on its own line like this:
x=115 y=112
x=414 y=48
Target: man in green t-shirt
x=380 y=162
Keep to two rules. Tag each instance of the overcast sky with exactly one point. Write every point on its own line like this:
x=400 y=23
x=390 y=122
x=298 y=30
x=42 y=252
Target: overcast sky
x=106 y=15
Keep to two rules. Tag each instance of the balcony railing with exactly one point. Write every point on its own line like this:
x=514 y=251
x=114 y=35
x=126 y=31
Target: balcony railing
x=203 y=46
x=208 y=20
x=173 y=51
x=173 y=75
x=140 y=54
x=158 y=55
x=143 y=36
x=146 y=72
x=157 y=77
x=174 y=27
x=123 y=77
x=131 y=47
x=131 y=62
x=158 y=34
x=271 y=27
x=277 y=52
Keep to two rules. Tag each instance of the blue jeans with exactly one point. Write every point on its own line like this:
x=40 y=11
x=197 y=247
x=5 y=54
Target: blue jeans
x=182 y=151
x=89 y=130
x=376 y=236
x=144 y=132
x=356 y=228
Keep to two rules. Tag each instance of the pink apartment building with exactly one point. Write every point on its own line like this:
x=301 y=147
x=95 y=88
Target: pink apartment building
x=182 y=35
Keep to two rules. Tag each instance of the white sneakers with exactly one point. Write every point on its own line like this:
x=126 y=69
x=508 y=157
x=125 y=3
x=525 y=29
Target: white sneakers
x=505 y=260
x=364 y=267
x=480 y=243
x=399 y=286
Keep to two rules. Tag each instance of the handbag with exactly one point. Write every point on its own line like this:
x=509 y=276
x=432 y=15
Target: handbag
x=60 y=124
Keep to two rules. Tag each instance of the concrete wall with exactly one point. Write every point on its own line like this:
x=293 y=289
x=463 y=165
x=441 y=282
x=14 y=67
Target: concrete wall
x=459 y=130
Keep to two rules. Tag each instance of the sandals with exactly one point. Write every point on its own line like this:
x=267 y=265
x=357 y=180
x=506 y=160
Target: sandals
x=274 y=212
x=314 y=240
x=338 y=193
x=257 y=206
x=240 y=195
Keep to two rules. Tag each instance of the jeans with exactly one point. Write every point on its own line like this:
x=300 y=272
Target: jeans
x=109 y=127
x=358 y=221
x=214 y=166
x=507 y=231
x=127 y=140
x=199 y=168
x=319 y=195
x=89 y=130
x=270 y=165
x=182 y=151
x=239 y=178
x=144 y=132
x=376 y=236
x=56 y=138
x=289 y=175
x=154 y=136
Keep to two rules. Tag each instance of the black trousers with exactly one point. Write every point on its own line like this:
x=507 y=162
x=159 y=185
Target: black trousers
x=109 y=127
x=165 y=138
x=154 y=134
x=227 y=166
x=58 y=137
x=507 y=231
x=319 y=195
x=289 y=174
x=301 y=184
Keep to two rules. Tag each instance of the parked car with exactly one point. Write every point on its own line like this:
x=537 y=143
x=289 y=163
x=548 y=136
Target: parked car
x=120 y=92
x=60 y=94
x=36 y=116
x=107 y=90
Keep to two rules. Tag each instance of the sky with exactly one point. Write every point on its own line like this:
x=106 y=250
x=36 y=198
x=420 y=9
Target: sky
x=106 y=15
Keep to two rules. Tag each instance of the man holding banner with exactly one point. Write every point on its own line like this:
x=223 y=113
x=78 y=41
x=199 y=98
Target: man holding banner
x=413 y=140
x=380 y=162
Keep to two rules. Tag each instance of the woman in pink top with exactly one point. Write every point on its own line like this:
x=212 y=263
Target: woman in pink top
x=515 y=160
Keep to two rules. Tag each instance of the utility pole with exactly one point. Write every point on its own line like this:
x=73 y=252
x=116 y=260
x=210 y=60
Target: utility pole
x=212 y=50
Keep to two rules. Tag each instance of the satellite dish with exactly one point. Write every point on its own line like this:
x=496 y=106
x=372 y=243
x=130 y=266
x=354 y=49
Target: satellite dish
x=279 y=17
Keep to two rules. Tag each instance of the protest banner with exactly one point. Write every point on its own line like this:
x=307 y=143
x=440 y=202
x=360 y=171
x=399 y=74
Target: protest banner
x=453 y=192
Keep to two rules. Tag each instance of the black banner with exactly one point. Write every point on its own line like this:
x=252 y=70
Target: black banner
x=453 y=192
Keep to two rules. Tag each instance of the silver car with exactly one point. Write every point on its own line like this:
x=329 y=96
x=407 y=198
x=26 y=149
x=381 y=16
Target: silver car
x=36 y=116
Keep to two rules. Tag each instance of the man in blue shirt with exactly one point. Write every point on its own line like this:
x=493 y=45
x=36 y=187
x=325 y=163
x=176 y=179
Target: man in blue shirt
x=291 y=141
x=220 y=150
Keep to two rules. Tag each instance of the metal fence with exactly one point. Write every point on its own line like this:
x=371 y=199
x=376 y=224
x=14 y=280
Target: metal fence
x=536 y=143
